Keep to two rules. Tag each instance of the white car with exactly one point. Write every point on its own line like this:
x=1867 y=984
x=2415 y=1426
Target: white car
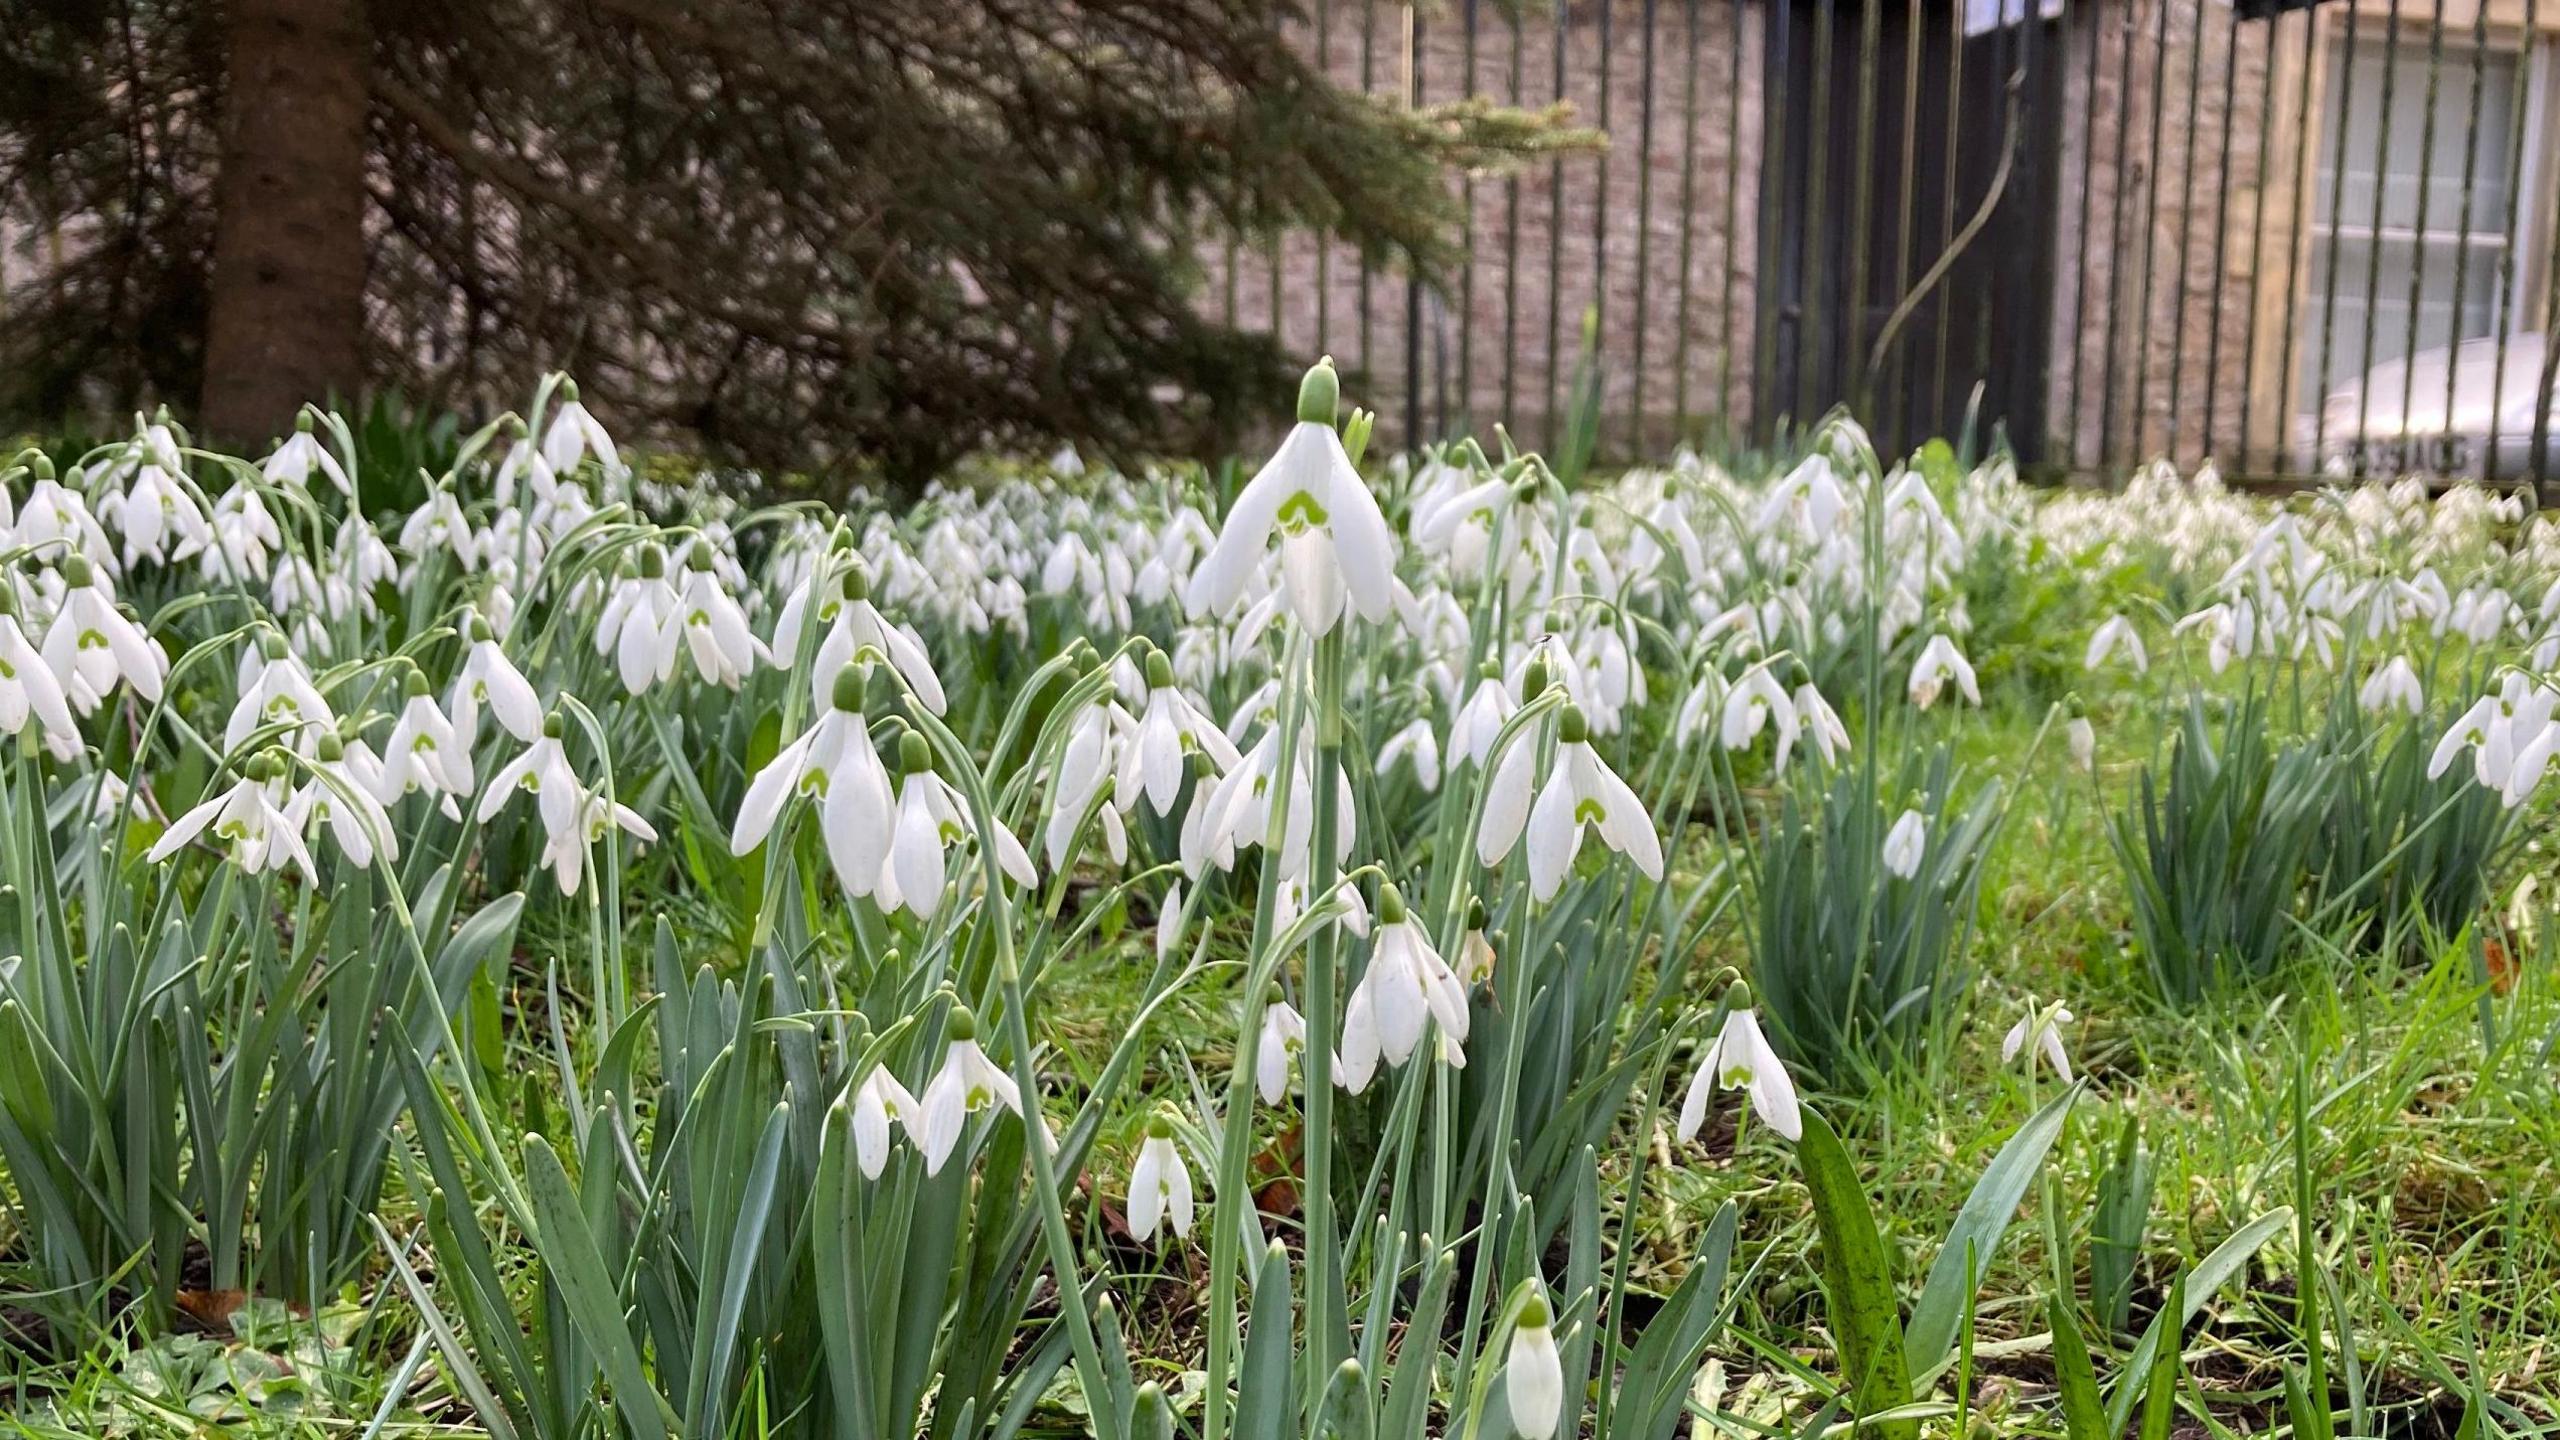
x=2365 y=430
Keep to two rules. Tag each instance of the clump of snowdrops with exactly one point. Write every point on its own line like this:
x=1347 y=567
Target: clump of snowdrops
x=612 y=927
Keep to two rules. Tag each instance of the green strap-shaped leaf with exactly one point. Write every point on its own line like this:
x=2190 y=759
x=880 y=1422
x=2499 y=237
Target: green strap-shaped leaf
x=1266 y=1395
x=1409 y=1389
x=1986 y=1213
x=577 y=1267
x=2198 y=1284
x=2084 y=1415
x=2160 y=1398
x=1856 y=1281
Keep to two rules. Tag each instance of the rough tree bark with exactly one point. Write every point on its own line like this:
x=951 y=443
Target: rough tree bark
x=287 y=304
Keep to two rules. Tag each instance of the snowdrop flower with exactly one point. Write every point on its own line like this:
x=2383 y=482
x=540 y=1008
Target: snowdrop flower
x=1236 y=812
x=835 y=763
x=2490 y=730
x=1756 y=702
x=1418 y=745
x=28 y=687
x=877 y=1101
x=1905 y=843
x=439 y=524
x=1335 y=547
x=423 y=752
x=543 y=772
x=339 y=800
x=300 y=454
x=1405 y=988
x=564 y=852
x=642 y=624
x=54 y=517
x=1581 y=791
x=2083 y=740
x=967 y=1083
x=1940 y=662
x=1533 y=1373
x=1472 y=733
x=1741 y=1059
x=574 y=433
x=239 y=538
x=2117 y=633
x=1151 y=757
x=523 y=463
x=276 y=689
x=153 y=509
x=1159 y=1185
x=854 y=626
x=91 y=645
x=2231 y=631
x=248 y=820
x=931 y=819
x=2392 y=684
x=2535 y=738
x=1821 y=723
x=2042 y=1029
x=489 y=677
x=715 y=629
x=1284 y=1035
x=1085 y=763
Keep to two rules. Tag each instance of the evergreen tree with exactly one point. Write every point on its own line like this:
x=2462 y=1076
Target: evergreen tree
x=808 y=232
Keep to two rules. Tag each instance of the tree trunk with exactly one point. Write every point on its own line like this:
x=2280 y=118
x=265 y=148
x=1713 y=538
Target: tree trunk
x=287 y=305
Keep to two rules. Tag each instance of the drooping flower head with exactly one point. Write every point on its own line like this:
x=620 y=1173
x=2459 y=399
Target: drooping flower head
x=1335 y=547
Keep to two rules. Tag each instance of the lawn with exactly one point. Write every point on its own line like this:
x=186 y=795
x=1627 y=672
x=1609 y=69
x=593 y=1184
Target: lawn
x=556 y=945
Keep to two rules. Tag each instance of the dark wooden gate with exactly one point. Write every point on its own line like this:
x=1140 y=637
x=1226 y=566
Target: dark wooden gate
x=1887 y=129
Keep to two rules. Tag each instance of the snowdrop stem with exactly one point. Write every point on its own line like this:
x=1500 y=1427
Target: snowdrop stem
x=1226 y=1232
x=1324 y=1281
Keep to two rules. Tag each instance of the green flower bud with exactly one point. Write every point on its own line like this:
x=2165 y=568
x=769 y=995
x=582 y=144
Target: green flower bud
x=653 y=562
x=915 y=754
x=961 y=1025
x=851 y=681
x=553 y=727
x=1533 y=1313
x=1320 y=394
x=1572 y=727
x=1391 y=909
x=1159 y=671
